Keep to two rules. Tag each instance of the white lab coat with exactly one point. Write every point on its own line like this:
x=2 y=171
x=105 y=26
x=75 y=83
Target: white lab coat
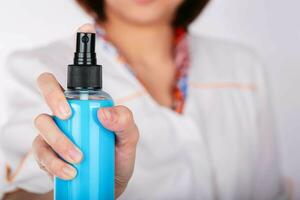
x=221 y=147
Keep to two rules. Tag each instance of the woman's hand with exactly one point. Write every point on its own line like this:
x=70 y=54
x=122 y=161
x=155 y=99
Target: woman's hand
x=51 y=141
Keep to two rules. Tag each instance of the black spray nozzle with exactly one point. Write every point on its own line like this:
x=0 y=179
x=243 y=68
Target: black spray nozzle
x=85 y=49
x=85 y=73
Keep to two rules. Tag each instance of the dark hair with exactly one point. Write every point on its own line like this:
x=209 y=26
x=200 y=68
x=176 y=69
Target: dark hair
x=186 y=12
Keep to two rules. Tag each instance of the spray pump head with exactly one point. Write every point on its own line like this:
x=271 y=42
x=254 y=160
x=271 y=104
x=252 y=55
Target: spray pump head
x=84 y=73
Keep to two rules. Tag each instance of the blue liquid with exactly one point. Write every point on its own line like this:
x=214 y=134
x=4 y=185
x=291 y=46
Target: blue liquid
x=95 y=173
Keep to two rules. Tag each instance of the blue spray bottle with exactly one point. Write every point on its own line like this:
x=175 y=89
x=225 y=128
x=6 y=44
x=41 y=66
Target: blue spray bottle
x=95 y=173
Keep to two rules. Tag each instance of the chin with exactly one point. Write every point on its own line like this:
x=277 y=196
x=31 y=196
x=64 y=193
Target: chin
x=150 y=19
x=144 y=12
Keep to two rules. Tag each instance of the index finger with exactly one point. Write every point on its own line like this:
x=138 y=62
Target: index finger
x=53 y=95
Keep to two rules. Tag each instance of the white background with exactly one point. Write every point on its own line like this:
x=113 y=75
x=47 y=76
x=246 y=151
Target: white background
x=271 y=27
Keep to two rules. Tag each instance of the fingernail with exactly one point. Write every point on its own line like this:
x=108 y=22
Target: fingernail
x=107 y=113
x=69 y=171
x=75 y=155
x=64 y=109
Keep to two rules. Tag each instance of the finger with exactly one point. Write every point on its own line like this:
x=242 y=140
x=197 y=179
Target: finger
x=120 y=120
x=54 y=96
x=56 y=139
x=87 y=28
x=49 y=161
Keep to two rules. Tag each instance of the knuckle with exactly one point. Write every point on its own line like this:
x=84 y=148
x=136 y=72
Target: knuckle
x=55 y=167
x=54 y=97
x=40 y=119
x=44 y=76
x=126 y=110
x=40 y=152
x=61 y=145
x=60 y=141
x=127 y=114
x=42 y=167
x=36 y=142
x=55 y=94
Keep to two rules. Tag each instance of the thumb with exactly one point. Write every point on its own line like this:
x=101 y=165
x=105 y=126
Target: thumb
x=119 y=119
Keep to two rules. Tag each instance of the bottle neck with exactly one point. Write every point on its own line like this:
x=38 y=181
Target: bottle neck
x=85 y=89
x=86 y=94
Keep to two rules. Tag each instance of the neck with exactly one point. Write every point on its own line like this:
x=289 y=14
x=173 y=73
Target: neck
x=149 y=51
x=141 y=45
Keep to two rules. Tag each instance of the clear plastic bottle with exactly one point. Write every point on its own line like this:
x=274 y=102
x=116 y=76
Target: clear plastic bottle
x=95 y=173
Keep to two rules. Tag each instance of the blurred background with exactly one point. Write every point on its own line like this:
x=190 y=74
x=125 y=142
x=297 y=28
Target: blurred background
x=270 y=27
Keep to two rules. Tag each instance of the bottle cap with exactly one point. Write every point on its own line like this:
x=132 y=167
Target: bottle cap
x=84 y=73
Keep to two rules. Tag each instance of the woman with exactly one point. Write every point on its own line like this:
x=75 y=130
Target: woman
x=200 y=106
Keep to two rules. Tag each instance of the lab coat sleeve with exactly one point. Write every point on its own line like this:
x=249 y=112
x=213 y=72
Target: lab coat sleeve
x=22 y=104
x=268 y=181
